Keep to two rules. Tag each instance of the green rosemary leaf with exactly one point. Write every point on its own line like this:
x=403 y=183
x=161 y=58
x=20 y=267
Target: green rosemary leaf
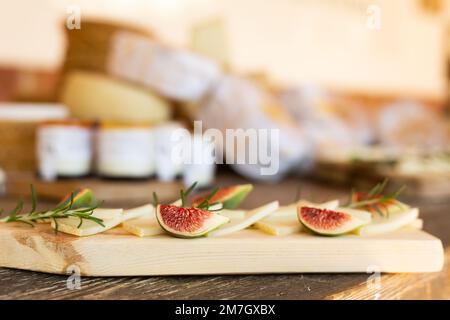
x=14 y=212
x=56 y=224
x=33 y=199
x=205 y=203
x=379 y=187
x=190 y=189
x=62 y=210
x=183 y=198
x=155 y=200
x=81 y=222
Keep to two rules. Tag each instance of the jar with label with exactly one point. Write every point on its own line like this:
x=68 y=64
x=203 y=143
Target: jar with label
x=125 y=151
x=64 y=149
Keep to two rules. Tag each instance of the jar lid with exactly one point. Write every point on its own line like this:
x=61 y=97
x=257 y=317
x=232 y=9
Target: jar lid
x=110 y=125
x=70 y=122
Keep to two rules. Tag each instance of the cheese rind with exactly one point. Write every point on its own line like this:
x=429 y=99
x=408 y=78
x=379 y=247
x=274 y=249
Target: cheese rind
x=171 y=72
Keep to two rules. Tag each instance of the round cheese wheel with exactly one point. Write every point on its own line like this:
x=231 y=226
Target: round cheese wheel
x=94 y=96
x=174 y=73
x=240 y=105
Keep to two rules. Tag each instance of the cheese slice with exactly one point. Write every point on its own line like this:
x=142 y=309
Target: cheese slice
x=93 y=96
x=394 y=221
x=137 y=212
x=70 y=225
x=281 y=226
x=251 y=217
x=144 y=226
x=111 y=219
x=232 y=214
x=415 y=225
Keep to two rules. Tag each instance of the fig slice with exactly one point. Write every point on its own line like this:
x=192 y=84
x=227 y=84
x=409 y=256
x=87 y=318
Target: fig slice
x=230 y=197
x=185 y=222
x=332 y=222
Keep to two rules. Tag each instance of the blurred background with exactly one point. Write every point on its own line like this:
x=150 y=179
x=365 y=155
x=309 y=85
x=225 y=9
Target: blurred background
x=359 y=89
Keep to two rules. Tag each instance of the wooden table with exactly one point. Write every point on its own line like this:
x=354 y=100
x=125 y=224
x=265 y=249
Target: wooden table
x=17 y=284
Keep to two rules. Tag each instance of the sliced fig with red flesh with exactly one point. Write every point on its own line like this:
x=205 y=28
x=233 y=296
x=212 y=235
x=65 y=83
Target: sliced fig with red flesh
x=188 y=222
x=332 y=222
x=230 y=197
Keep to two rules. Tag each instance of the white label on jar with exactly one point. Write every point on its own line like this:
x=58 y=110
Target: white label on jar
x=64 y=150
x=167 y=166
x=125 y=153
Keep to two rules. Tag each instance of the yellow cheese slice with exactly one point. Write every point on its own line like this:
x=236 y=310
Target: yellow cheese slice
x=251 y=217
x=137 y=212
x=144 y=226
x=394 y=221
x=111 y=218
x=415 y=225
x=94 y=96
x=232 y=214
x=70 y=225
x=282 y=226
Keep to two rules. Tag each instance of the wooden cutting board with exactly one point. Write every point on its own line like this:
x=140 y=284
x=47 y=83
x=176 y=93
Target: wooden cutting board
x=247 y=252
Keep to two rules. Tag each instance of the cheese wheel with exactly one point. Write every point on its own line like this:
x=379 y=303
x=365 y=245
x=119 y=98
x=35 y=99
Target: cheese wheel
x=174 y=73
x=96 y=97
x=238 y=104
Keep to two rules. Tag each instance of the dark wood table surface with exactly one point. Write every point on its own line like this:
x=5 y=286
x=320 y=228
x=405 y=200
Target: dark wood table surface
x=19 y=284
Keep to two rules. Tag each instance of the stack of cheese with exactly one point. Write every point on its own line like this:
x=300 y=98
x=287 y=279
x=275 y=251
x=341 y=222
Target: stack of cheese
x=117 y=73
x=241 y=105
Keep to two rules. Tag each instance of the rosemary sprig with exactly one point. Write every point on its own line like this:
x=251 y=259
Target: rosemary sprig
x=63 y=210
x=185 y=194
x=375 y=200
x=205 y=204
x=155 y=199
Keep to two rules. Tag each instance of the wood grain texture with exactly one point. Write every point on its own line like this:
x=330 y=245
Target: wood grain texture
x=243 y=252
x=403 y=286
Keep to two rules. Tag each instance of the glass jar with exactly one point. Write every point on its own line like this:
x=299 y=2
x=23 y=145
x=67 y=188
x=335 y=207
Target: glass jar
x=125 y=151
x=64 y=149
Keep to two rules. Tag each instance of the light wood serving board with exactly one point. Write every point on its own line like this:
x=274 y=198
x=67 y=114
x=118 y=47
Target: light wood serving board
x=247 y=252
